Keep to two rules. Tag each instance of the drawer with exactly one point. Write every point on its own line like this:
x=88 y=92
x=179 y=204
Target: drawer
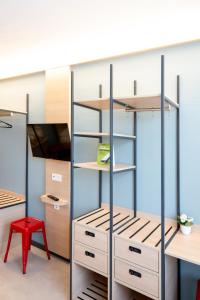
x=136 y=253
x=91 y=237
x=135 y=277
x=92 y=258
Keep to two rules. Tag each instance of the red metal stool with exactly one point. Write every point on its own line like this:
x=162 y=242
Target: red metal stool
x=26 y=227
x=198 y=290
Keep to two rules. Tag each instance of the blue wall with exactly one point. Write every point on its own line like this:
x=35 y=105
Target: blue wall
x=145 y=68
x=12 y=151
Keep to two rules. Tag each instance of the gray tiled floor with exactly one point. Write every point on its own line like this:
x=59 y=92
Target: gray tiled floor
x=46 y=280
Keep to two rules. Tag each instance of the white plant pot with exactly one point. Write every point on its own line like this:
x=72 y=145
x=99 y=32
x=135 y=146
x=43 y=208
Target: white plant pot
x=186 y=230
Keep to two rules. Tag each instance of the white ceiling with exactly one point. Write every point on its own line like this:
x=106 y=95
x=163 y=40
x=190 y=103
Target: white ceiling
x=40 y=34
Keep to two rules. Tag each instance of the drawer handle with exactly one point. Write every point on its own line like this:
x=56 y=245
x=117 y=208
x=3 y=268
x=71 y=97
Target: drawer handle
x=136 y=250
x=134 y=273
x=89 y=233
x=87 y=253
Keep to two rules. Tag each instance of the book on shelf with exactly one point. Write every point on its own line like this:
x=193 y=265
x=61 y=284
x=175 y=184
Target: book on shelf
x=103 y=155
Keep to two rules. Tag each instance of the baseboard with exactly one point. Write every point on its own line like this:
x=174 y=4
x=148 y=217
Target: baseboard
x=40 y=246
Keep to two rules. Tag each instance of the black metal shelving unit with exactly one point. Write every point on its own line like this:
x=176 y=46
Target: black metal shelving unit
x=112 y=102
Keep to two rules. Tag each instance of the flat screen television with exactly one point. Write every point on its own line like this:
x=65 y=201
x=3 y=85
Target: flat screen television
x=51 y=141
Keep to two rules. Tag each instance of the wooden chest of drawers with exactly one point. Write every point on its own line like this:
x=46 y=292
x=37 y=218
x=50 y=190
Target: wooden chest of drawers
x=137 y=255
x=136 y=251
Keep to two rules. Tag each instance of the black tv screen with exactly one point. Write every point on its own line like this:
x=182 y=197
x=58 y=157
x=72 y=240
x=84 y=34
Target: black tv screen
x=51 y=141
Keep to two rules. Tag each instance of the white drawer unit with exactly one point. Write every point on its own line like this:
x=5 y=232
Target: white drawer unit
x=91 y=258
x=91 y=234
x=137 y=253
x=136 y=277
x=91 y=237
x=93 y=229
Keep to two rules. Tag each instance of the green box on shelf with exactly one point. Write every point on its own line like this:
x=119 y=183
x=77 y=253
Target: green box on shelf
x=103 y=155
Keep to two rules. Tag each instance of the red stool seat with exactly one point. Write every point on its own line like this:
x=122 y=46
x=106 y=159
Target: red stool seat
x=198 y=290
x=26 y=227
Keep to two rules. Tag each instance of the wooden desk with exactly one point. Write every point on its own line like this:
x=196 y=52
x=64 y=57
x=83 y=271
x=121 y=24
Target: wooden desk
x=46 y=200
x=186 y=247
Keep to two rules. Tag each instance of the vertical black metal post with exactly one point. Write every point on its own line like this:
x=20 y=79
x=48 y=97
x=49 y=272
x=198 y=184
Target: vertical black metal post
x=162 y=179
x=178 y=176
x=100 y=140
x=72 y=181
x=111 y=182
x=135 y=152
x=178 y=145
x=27 y=162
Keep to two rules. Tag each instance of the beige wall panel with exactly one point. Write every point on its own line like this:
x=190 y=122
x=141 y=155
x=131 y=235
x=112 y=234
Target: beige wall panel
x=57 y=110
x=57 y=102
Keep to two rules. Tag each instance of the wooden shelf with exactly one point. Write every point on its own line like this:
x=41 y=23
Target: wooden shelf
x=95 y=166
x=5 y=114
x=104 y=134
x=61 y=202
x=135 y=103
x=8 y=112
x=186 y=247
x=8 y=198
x=97 y=290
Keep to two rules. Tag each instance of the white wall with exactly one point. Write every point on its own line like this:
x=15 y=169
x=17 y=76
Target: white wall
x=38 y=35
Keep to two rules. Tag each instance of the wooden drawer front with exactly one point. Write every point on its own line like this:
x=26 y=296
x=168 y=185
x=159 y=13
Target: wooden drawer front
x=136 y=277
x=94 y=259
x=137 y=253
x=91 y=237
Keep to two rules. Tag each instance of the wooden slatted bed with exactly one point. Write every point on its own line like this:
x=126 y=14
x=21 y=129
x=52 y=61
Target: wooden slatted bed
x=12 y=207
x=8 y=198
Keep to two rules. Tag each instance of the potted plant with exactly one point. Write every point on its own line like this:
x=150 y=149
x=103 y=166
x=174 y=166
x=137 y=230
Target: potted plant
x=185 y=224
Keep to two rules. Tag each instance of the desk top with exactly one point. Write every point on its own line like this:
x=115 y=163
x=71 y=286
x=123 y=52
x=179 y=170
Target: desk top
x=186 y=247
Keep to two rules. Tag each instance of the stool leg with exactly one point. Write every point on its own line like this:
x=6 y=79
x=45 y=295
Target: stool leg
x=25 y=247
x=30 y=239
x=198 y=290
x=45 y=241
x=8 y=245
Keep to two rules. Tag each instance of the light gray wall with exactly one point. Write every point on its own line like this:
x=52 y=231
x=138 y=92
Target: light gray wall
x=145 y=68
x=12 y=151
